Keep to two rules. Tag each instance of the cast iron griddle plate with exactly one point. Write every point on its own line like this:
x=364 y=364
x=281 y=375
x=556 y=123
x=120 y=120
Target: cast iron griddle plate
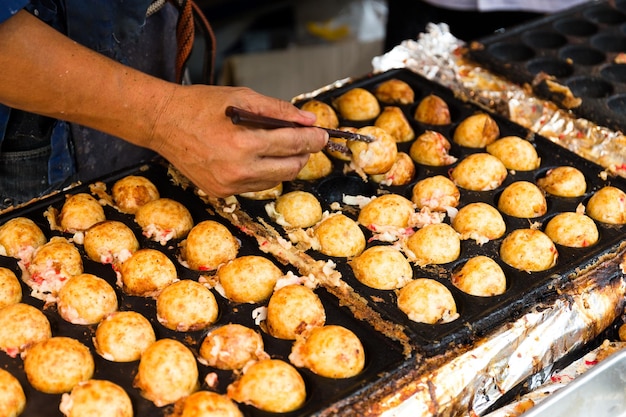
x=579 y=47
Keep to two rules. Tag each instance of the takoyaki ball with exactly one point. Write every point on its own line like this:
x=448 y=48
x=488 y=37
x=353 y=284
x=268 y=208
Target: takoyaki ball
x=563 y=181
x=326 y=116
x=382 y=267
x=10 y=288
x=249 y=278
x=480 y=276
x=22 y=325
x=357 y=104
x=97 y=397
x=340 y=236
x=86 y=299
x=110 y=242
x=393 y=120
x=375 y=157
x=523 y=199
x=608 y=205
x=267 y=194
x=133 y=191
x=479 y=172
x=433 y=110
x=318 y=166
x=12 y=397
x=387 y=210
x=331 y=351
x=431 y=148
x=337 y=153
x=515 y=153
x=294 y=310
x=185 y=306
x=19 y=237
x=123 y=336
x=80 y=212
x=479 y=221
x=208 y=245
x=425 y=300
x=57 y=364
x=231 y=347
x=300 y=209
x=529 y=250
x=572 y=229
x=437 y=193
x=155 y=377
x=394 y=91
x=164 y=219
x=146 y=273
x=436 y=243
x=271 y=385
x=476 y=131
x=402 y=172
x=206 y=404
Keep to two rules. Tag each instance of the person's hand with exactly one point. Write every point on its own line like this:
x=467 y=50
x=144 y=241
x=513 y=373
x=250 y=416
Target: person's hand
x=194 y=134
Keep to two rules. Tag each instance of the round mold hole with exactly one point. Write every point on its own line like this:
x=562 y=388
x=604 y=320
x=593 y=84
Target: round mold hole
x=582 y=55
x=604 y=14
x=617 y=104
x=575 y=27
x=544 y=39
x=511 y=51
x=590 y=87
x=609 y=43
x=615 y=73
x=332 y=190
x=550 y=66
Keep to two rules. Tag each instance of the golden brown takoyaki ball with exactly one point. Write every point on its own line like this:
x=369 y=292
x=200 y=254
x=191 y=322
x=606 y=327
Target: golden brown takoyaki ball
x=608 y=205
x=432 y=110
x=97 y=397
x=375 y=157
x=318 y=166
x=394 y=91
x=523 y=199
x=133 y=191
x=271 y=385
x=425 y=300
x=337 y=153
x=563 y=181
x=435 y=243
x=480 y=276
x=80 y=212
x=476 y=131
x=515 y=153
x=12 y=397
x=57 y=364
x=231 y=347
x=267 y=194
x=19 y=237
x=431 y=148
x=300 y=209
x=21 y=326
x=123 y=336
x=186 y=305
x=479 y=172
x=479 y=221
x=86 y=299
x=436 y=193
x=10 y=288
x=357 y=104
x=529 y=250
x=339 y=236
x=331 y=351
x=393 y=120
x=326 y=116
x=572 y=229
x=110 y=242
x=206 y=404
x=387 y=210
x=402 y=171
x=164 y=219
x=249 y=278
x=167 y=372
x=208 y=245
x=294 y=310
x=382 y=267
x=147 y=272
